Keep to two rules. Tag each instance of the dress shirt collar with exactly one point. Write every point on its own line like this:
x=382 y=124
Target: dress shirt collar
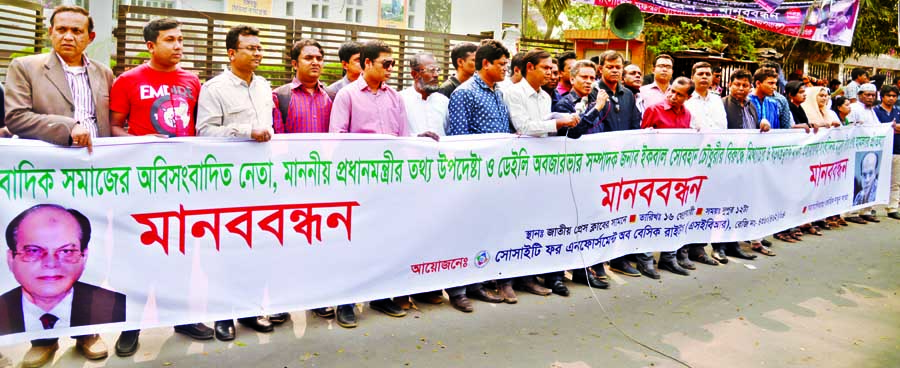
x=237 y=81
x=75 y=69
x=476 y=79
x=528 y=89
x=700 y=97
x=320 y=88
x=32 y=313
x=619 y=89
x=363 y=86
x=677 y=110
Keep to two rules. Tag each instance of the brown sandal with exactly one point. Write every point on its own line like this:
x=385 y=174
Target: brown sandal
x=796 y=233
x=809 y=229
x=762 y=249
x=785 y=237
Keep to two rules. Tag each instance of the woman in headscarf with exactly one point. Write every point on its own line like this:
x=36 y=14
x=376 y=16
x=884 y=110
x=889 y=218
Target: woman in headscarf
x=816 y=108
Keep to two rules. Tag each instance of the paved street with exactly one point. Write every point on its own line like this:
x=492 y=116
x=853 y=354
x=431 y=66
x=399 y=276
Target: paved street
x=829 y=301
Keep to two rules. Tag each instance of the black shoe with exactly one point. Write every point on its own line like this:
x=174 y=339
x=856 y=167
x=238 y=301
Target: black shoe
x=624 y=267
x=196 y=331
x=578 y=275
x=673 y=267
x=703 y=258
x=326 y=312
x=258 y=324
x=646 y=269
x=600 y=271
x=225 y=330
x=279 y=318
x=766 y=242
x=869 y=218
x=718 y=254
x=736 y=251
x=894 y=215
x=558 y=287
x=683 y=260
x=345 y=316
x=856 y=220
x=388 y=307
x=127 y=343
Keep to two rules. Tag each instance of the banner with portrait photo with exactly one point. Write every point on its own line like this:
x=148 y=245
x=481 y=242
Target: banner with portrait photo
x=831 y=21
x=149 y=232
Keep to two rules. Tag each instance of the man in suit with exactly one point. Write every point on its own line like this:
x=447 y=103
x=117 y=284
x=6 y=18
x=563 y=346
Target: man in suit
x=61 y=97
x=48 y=250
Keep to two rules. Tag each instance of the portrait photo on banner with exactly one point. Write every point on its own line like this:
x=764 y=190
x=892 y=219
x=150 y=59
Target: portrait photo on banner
x=866 y=181
x=48 y=249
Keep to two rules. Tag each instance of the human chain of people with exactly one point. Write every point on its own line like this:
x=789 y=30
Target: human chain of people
x=724 y=173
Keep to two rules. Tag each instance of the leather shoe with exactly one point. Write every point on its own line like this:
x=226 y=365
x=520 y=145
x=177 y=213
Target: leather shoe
x=403 y=302
x=683 y=260
x=387 y=306
x=91 y=346
x=197 y=331
x=279 y=318
x=326 y=312
x=225 y=330
x=588 y=278
x=599 y=271
x=718 y=254
x=869 y=218
x=766 y=242
x=484 y=295
x=736 y=251
x=528 y=284
x=432 y=297
x=37 y=356
x=507 y=293
x=703 y=258
x=673 y=267
x=646 y=269
x=461 y=303
x=127 y=343
x=346 y=317
x=856 y=220
x=624 y=267
x=558 y=287
x=258 y=324
x=894 y=215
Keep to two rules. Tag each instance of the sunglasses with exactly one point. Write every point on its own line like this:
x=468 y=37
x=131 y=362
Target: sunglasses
x=387 y=63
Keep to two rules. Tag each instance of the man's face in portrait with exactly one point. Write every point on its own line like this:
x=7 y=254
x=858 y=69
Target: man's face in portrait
x=48 y=258
x=868 y=172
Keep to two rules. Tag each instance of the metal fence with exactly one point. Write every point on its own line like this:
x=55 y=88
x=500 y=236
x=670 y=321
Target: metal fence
x=22 y=31
x=204 y=34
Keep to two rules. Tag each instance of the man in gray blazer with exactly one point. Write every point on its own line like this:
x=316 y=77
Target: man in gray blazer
x=61 y=97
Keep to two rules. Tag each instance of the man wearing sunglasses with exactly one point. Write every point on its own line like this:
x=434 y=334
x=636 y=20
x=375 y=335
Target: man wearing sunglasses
x=369 y=105
x=48 y=250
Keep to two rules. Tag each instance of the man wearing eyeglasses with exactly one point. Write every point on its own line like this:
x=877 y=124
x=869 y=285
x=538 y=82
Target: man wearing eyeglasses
x=48 y=249
x=369 y=105
x=238 y=103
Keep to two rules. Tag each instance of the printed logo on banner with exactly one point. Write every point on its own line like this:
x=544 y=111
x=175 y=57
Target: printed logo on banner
x=482 y=259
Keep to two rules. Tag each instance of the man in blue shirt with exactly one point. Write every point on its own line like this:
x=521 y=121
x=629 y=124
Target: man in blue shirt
x=888 y=113
x=476 y=107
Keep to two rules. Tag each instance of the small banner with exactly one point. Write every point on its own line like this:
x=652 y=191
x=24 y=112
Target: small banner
x=834 y=22
x=149 y=232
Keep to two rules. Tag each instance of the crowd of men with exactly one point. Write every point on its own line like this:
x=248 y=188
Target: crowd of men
x=65 y=98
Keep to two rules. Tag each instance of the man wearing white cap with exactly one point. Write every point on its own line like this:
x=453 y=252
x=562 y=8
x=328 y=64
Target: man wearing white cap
x=863 y=112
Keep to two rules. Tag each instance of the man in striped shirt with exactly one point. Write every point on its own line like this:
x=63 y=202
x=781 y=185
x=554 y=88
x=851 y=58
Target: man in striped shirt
x=62 y=98
x=303 y=106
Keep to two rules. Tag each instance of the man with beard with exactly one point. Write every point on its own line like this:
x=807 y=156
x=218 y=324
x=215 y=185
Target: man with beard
x=552 y=83
x=425 y=109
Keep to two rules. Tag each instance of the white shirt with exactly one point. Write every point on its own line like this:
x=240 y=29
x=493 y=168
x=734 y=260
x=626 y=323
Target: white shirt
x=82 y=95
x=425 y=115
x=707 y=112
x=229 y=107
x=529 y=109
x=859 y=113
x=32 y=313
x=505 y=84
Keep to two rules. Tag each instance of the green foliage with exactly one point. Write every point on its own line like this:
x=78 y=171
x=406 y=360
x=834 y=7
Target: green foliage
x=28 y=51
x=437 y=16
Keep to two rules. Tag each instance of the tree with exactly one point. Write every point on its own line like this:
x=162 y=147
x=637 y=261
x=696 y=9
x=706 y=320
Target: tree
x=437 y=18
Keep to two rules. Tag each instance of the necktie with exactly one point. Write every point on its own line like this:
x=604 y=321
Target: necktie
x=49 y=320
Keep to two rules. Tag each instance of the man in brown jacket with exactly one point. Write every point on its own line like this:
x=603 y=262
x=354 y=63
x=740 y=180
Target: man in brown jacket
x=61 y=97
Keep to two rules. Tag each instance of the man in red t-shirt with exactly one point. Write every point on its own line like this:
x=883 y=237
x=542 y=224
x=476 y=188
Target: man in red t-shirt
x=157 y=97
x=670 y=113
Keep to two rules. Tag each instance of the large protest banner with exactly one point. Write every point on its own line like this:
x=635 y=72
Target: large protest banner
x=831 y=21
x=186 y=230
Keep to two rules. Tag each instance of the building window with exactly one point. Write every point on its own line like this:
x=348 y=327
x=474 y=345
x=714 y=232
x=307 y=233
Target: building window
x=412 y=5
x=325 y=14
x=289 y=8
x=359 y=16
x=315 y=10
x=411 y=22
x=348 y=15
